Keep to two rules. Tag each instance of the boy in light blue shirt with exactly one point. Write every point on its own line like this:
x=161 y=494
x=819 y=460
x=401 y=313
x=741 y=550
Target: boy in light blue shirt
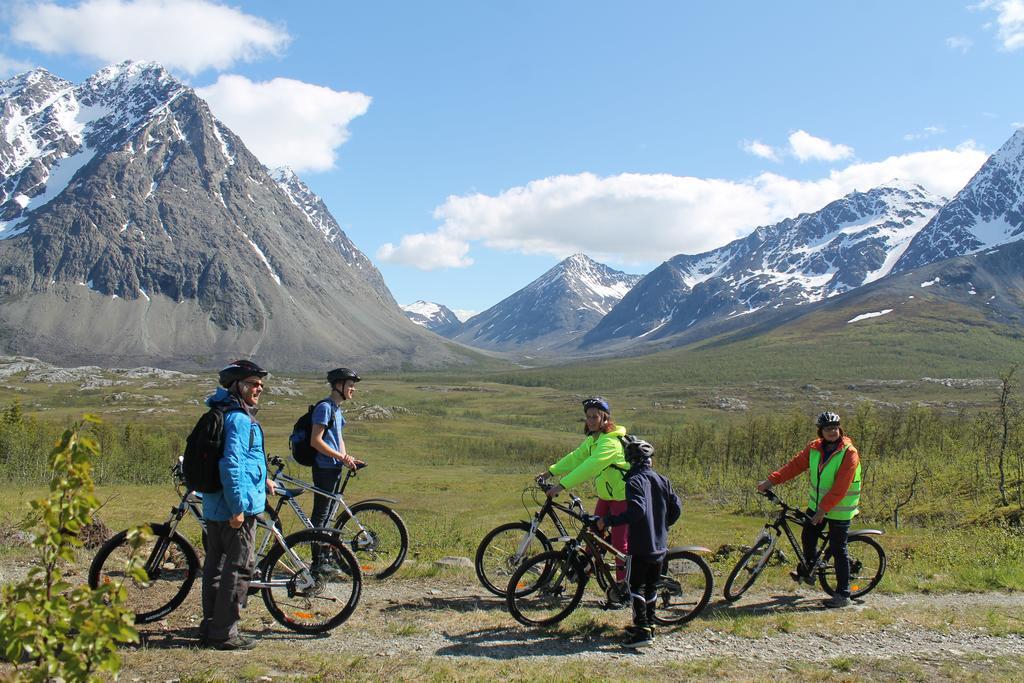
x=327 y=440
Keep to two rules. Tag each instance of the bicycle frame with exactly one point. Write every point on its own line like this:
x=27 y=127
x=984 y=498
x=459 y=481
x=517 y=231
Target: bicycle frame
x=547 y=510
x=336 y=497
x=786 y=515
x=190 y=504
x=790 y=514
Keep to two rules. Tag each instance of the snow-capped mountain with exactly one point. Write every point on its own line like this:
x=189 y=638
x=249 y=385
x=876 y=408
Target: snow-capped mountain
x=435 y=317
x=849 y=243
x=987 y=212
x=556 y=308
x=137 y=228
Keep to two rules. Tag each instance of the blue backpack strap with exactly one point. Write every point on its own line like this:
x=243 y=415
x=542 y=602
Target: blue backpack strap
x=330 y=422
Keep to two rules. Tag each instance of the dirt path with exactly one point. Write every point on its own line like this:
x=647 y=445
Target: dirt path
x=458 y=619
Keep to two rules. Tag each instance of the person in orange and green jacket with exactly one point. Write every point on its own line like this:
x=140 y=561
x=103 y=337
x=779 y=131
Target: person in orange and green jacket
x=834 y=495
x=600 y=457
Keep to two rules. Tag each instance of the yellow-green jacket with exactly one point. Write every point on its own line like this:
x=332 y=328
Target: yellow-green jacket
x=599 y=457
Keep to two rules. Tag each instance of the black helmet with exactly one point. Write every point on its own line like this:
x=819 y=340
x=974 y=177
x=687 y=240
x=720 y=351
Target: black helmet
x=239 y=369
x=636 y=449
x=597 y=402
x=827 y=418
x=340 y=375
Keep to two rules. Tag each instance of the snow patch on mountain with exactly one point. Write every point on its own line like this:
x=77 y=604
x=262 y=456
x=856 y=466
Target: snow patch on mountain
x=865 y=316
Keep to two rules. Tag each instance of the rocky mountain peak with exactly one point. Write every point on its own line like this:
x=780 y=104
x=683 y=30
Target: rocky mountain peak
x=433 y=316
x=126 y=207
x=987 y=212
x=556 y=308
x=850 y=242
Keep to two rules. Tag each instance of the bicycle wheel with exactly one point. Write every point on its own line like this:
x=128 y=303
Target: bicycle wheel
x=748 y=569
x=684 y=588
x=867 y=564
x=498 y=554
x=301 y=601
x=172 y=565
x=382 y=542
x=542 y=603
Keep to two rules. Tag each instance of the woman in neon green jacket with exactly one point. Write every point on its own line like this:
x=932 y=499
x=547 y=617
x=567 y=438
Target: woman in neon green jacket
x=600 y=457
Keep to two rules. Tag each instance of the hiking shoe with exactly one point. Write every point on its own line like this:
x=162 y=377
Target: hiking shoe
x=638 y=636
x=836 y=601
x=238 y=642
x=800 y=577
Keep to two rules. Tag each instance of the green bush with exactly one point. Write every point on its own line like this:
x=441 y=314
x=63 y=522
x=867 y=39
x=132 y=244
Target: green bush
x=49 y=629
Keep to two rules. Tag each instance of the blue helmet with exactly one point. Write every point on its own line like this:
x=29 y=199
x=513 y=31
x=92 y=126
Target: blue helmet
x=597 y=402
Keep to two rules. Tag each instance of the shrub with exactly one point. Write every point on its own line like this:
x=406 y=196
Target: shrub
x=49 y=629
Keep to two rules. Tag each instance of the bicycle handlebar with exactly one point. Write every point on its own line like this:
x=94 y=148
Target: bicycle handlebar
x=802 y=516
x=545 y=485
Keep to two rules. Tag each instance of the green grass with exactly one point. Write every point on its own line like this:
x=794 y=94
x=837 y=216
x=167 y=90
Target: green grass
x=460 y=452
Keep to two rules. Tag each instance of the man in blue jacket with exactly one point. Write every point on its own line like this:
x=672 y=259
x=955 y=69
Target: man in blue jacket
x=230 y=513
x=651 y=508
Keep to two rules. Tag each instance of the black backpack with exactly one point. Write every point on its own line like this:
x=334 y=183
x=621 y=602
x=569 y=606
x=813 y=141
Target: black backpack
x=203 y=450
x=302 y=450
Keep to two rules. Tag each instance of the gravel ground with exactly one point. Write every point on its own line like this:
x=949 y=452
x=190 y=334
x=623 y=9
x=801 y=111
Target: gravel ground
x=455 y=618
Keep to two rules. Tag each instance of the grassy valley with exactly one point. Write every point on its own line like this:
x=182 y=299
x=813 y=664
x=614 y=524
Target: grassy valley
x=458 y=451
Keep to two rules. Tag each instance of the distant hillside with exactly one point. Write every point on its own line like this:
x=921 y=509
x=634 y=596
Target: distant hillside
x=963 y=317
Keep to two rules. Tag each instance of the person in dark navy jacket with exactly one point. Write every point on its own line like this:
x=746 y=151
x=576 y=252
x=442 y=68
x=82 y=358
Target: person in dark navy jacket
x=651 y=508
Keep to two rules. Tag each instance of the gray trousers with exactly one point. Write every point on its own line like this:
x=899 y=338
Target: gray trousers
x=226 y=574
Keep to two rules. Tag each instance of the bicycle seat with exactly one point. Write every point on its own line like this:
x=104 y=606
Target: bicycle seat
x=288 y=493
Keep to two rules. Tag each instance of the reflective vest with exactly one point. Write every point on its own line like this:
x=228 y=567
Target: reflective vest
x=821 y=484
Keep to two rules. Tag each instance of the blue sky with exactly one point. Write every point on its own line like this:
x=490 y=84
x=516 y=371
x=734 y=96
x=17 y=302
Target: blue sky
x=466 y=147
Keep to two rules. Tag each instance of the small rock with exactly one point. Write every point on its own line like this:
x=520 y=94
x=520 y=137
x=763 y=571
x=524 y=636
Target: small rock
x=454 y=562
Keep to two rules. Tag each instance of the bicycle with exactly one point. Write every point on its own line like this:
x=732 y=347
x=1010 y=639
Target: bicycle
x=505 y=547
x=546 y=588
x=295 y=597
x=867 y=557
x=372 y=530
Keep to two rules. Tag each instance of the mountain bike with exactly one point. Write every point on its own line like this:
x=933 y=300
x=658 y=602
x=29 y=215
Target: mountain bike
x=505 y=547
x=295 y=597
x=372 y=530
x=546 y=588
x=867 y=557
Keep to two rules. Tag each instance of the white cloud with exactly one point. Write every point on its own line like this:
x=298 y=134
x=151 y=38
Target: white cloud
x=807 y=147
x=926 y=132
x=427 y=252
x=10 y=66
x=1010 y=21
x=190 y=35
x=285 y=122
x=633 y=218
x=759 y=149
x=962 y=43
